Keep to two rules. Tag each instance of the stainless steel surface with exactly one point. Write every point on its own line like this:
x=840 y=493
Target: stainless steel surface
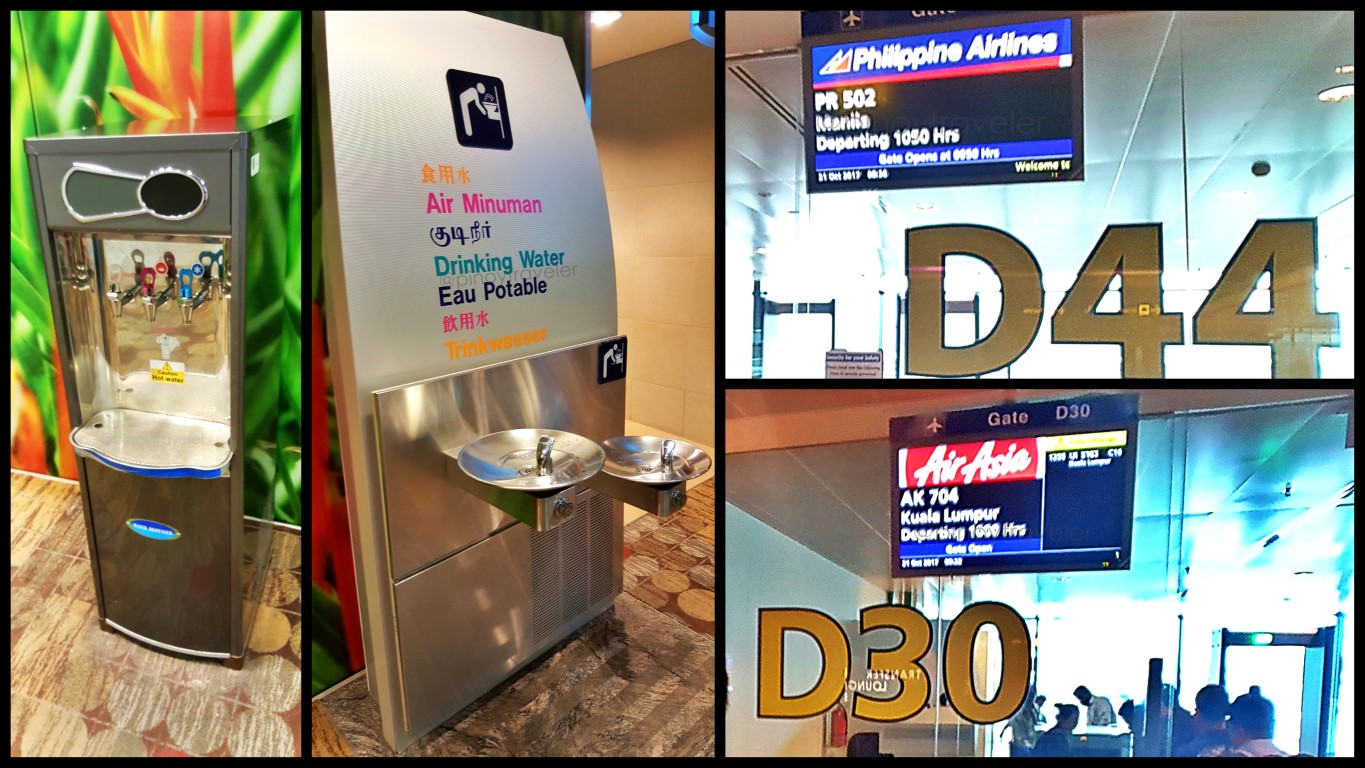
x=166 y=646
x=429 y=515
x=142 y=179
x=464 y=625
x=97 y=170
x=380 y=308
x=97 y=186
x=197 y=592
x=113 y=350
x=178 y=592
x=661 y=500
x=472 y=620
x=541 y=510
x=531 y=459
x=155 y=440
x=654 y=460
x=544 y=465
x=421 y=429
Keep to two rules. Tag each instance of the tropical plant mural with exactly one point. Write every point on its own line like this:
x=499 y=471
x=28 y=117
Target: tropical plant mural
x=70 y=69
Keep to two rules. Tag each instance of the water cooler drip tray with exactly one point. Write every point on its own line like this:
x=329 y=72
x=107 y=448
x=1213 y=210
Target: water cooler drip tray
x=155 y=444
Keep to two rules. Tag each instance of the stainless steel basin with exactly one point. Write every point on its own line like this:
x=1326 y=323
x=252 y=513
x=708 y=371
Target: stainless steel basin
x=524 y=460
x=654 y=460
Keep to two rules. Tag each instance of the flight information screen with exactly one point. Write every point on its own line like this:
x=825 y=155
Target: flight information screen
x=990 y=104
x=1011 y=499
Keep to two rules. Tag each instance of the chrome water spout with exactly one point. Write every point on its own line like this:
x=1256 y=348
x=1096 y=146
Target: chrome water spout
x=544 y=464
x=118 y=298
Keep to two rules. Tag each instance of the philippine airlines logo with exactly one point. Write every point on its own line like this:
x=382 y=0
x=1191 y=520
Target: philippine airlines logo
x=842 y=63
x=480 y=106
x=967 y=463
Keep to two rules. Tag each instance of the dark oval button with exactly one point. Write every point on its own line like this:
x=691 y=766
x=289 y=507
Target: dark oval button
x=172 y=195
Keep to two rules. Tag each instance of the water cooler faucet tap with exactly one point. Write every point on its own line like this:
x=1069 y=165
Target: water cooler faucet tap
x=165 y=294
x=666 y=454
x=117 y=298
x=544 y=464
x=147 y=282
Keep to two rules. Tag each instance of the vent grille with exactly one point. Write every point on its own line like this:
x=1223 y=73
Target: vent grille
x=601 y=558
x=573 y=565
x=544 y=584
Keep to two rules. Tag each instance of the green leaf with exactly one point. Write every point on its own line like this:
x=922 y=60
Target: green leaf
x=330 y=662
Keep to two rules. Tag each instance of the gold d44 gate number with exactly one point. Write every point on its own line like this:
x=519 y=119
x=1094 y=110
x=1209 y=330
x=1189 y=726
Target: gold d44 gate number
x=902 y=662
x=1286 y=248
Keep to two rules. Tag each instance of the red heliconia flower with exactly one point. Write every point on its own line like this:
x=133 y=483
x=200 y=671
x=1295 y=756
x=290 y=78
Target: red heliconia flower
x=158 y=49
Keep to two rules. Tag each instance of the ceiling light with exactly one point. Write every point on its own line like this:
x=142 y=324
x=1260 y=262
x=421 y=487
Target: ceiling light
x=1345 y=69
x=1236 y=194
x=925 y=206
x=603 y=18
x=1338 y=93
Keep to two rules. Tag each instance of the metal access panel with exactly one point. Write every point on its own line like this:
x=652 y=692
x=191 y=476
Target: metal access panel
x=476 y=594
x=162 y=245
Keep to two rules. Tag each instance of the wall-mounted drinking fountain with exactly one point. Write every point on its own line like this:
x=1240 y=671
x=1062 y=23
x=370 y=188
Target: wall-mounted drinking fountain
x=650 y=472
x=528 y=473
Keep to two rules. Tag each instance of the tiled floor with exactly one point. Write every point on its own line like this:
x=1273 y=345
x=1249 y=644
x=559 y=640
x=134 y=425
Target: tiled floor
x=671 y=565
x=79 y=691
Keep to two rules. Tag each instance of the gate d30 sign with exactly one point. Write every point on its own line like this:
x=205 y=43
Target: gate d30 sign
x=901 y=662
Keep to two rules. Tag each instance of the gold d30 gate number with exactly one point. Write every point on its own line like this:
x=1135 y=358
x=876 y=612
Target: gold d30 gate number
x=1287 y=248
x=902 y=662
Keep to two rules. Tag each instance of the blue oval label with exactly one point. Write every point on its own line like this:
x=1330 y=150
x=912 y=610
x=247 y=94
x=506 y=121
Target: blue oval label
x=153 y=530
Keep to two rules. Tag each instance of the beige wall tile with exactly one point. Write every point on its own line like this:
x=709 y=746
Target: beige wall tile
x=628 y=300
x=621 y=209
x=665 y=289
x=663 y=220
x=656 y=354
x=660 y=407
x=699 y=367
x=701 y=309
x=628 y=328
x=699 y=418
x=703 y=229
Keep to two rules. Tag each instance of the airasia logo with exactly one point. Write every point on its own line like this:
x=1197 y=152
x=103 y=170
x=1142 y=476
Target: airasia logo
x=967 y=463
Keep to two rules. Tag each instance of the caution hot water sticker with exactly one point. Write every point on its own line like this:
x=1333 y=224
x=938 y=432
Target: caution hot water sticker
x=167 y=372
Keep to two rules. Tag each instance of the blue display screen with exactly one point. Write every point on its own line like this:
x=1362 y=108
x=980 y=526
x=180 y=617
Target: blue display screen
x=988 y=104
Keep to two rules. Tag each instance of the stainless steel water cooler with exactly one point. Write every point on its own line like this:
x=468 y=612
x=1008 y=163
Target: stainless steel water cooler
x=167 y=299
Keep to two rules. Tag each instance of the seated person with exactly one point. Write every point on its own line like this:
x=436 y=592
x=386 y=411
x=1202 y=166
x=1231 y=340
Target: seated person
x=1208 y=728
x=1056 y=742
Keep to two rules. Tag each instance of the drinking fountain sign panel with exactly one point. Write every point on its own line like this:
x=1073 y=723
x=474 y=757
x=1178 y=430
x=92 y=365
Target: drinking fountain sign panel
x=479 y=374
